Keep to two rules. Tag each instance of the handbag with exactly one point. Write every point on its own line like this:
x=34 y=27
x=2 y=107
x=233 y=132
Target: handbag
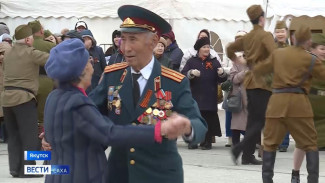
x=220 y=95
x=232 y=102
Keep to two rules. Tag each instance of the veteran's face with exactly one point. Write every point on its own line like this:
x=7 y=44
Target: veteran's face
x=319 y=51
x=281 y=35
x=138 y=48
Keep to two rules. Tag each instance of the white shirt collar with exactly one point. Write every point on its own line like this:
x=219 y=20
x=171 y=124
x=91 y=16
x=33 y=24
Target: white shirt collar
x=147 y=70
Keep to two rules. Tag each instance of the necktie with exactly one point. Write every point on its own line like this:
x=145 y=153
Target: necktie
x=136 y=88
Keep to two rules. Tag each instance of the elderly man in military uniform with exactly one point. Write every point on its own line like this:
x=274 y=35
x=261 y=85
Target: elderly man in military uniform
x=45 y=83
x=257 y=46
x=289 y=108
x=18 y=98
x=142 y=92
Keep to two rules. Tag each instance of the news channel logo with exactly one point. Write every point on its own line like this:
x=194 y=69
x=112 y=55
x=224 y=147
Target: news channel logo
x=46 y=169
x=43 y=169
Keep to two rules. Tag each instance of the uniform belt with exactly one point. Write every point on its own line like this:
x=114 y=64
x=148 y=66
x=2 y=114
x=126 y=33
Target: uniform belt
x=314 y=91
x=19 y=88
x=289 y=90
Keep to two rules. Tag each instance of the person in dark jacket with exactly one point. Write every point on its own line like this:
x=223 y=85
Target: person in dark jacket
x=75 y=128
x=158 y=51
x=99 y=62
x=173 y=52
x=116 y=36
x=205 y=73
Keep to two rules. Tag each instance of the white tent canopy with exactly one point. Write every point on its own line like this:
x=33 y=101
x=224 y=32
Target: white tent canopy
x=187 y=17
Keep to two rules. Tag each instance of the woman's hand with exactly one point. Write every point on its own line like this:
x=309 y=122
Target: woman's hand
x=195 y=73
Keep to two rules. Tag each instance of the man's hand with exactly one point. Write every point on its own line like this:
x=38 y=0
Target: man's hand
x=46 y=146
x=195 y=73
x=176 y=125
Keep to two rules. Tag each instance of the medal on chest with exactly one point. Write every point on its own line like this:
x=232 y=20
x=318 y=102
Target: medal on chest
x=161 y=109
x=114 y=101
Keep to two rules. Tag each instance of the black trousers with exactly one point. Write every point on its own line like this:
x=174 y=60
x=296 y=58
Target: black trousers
x=21 y=123
x=256 y=107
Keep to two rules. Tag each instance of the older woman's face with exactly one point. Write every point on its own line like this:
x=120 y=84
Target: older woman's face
x=87 y=74
x=204 y=51
x=319 y=51
x=159 y=49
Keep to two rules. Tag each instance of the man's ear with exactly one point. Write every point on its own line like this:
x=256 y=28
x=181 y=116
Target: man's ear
x=155 y=40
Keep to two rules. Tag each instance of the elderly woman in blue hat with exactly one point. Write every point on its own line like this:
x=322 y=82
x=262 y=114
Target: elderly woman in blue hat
x=73 y=125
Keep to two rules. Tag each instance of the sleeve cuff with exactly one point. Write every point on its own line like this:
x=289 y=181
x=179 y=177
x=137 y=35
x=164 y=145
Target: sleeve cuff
x=158 y=137
x=189 y=138
x=189 y=75
x=224 y=74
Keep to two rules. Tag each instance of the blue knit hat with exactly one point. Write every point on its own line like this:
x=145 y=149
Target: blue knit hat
x=67 y=60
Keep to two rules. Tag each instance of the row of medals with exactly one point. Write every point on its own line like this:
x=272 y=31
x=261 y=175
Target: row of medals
x=159 y=111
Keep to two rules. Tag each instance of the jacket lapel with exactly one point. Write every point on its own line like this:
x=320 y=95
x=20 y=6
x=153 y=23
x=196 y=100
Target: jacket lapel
x=125 y=94
x=156 y=71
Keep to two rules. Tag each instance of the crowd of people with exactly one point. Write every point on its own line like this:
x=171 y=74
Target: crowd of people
x=62 y=92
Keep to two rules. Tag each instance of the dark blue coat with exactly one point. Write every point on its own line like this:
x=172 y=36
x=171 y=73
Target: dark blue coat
x=153 y=163
x=99 y=64
x=175 y=55
x=78 y=134
x=116 y=58
x=205 y=88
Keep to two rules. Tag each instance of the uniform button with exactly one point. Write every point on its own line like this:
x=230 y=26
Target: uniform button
x=132 y=162
x=132 y=150
x=134 y=124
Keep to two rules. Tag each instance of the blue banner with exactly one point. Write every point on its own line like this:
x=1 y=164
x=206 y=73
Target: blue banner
x=60 y=169
x=37 y=155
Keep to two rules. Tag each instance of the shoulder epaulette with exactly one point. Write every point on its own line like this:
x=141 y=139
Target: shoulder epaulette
x=171 y=74
x=115 y=67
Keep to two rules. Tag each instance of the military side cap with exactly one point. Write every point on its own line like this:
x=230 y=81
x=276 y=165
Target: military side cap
x=318 y=38
x=23 y=31
x=47 y=33
x=281 y=25
x=303 y=33
x=138 y=19
x=254 y=12
x=35 y=25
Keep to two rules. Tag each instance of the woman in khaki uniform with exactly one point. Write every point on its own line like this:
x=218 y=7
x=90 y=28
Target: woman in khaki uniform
x=317 y=92
x=289 y=108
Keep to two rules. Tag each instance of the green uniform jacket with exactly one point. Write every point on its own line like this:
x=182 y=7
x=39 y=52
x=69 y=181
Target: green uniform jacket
x=158 y=163
x=21 y=69
x=317 y=103
x=45 y=83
